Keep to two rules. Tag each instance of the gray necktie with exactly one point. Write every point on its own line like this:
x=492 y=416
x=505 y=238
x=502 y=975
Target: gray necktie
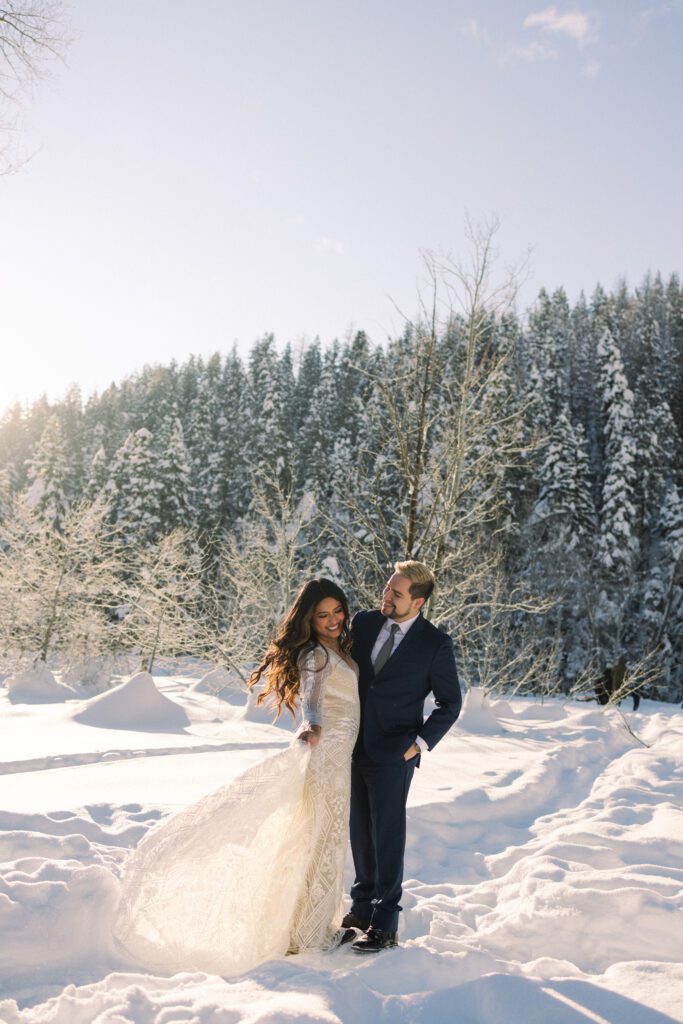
x=384 y=653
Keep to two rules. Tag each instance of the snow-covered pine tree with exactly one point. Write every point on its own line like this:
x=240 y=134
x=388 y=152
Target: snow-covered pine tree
x=661 y=611
x=173 y=477
x=564 y=515
x=559 y=542
x=71 y=415
x=585 y=404
x=151 y=396
x=618 y=542
x=270 y=384
x=98 y=476
x=105 y=422
x=135 y=489
x=49 y=477
x=316 y=435
x=15 y=447
x=618 y=547
x=549 y=346
x=353 y=386
x=674 y=346
x=307 y=382
x=230 y=493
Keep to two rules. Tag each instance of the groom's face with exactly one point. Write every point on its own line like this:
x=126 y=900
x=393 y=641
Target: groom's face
x=397 y=604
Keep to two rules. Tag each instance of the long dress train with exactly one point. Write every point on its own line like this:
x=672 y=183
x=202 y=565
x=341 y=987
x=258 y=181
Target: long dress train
x=256 y=868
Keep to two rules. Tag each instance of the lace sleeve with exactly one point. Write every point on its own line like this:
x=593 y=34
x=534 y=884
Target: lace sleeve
x=314 y=667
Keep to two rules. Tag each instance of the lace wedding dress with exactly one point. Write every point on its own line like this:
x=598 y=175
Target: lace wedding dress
x=255 y=869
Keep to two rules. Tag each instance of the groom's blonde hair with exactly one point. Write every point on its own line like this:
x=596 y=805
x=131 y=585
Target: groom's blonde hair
x=421 y=578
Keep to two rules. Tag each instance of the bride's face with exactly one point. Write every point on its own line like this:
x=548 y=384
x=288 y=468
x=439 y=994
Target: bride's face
x=328 y=619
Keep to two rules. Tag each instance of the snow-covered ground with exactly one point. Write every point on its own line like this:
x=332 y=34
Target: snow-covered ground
x=544 y=869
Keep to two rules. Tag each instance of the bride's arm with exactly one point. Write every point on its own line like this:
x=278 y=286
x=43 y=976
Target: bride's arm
x=314 y=668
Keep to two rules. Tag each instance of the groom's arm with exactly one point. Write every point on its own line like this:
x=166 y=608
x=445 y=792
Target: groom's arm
x=443 y=679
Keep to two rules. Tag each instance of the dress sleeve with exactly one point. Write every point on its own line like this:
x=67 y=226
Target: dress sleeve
x=314 y=668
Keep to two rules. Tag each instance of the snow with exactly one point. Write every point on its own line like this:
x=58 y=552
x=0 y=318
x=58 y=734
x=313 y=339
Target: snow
x=220 y=682
x=331 y=567
x=134 y=704
x=36 y=685
x=477 y=714
x=544 y=876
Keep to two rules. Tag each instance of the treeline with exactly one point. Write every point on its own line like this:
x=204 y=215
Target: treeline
x=536 y=462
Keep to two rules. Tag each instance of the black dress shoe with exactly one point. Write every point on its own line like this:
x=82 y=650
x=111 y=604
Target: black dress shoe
x=351 y=920
x=346 y=935
x=375 y=940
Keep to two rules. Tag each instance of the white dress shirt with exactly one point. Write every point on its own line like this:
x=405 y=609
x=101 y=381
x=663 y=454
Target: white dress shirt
x=384 y=632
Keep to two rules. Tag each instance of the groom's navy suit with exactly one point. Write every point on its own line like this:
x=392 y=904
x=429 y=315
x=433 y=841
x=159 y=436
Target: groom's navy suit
x=392 y=719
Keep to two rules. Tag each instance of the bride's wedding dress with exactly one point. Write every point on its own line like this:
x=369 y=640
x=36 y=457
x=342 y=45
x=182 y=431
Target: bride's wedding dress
x=255 y=869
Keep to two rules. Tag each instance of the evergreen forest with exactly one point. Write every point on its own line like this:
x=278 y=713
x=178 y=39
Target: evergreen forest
x=534 y=461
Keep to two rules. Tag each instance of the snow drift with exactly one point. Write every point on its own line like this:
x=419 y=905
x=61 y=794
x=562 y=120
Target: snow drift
x=37 y=685
x=223 y=684
x=135 y=704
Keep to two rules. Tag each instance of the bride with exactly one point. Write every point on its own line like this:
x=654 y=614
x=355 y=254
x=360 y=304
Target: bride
x=255 y=870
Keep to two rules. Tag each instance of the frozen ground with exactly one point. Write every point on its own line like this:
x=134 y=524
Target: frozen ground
x=544 y=866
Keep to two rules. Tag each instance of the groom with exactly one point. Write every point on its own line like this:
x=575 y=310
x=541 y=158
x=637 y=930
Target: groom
x=402 y=658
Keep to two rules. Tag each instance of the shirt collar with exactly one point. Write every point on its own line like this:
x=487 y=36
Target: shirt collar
x=403 y=626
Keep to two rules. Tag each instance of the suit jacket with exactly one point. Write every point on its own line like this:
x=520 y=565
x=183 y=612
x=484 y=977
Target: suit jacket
x=392 y=702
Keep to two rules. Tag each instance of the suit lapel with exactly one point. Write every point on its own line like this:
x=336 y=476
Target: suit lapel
x=376 y=630
x=367 y=640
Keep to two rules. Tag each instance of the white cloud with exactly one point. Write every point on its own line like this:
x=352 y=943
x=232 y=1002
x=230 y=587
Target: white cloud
x=325 y=244
x=577 y=25
x=591 y=69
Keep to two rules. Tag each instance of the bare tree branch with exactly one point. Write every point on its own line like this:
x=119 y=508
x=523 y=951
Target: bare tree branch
x=33 y=33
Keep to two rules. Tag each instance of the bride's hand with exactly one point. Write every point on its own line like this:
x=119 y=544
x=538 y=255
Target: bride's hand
x=312 y=738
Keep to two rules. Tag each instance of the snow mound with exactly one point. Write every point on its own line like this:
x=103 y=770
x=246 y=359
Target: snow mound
x=477 y=714
x=549 y=712
x=37 y=685
x=135 y=704
x=56 y=912
x=221 y=683
x=502 y=708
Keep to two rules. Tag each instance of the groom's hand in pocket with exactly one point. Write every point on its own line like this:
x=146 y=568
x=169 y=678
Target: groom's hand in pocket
x=412 y=751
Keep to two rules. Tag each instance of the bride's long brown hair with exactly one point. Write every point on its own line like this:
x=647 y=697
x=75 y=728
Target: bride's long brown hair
x=294 y=636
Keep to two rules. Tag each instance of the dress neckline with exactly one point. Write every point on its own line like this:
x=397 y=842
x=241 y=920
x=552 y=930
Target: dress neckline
x=352 y=666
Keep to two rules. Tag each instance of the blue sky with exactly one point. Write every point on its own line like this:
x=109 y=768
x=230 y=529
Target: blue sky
x=202 y=174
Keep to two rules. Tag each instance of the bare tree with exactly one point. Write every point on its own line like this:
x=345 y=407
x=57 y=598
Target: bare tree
x=262 y=565
x=32 y=34
x=444 y=433
x=80 y=593
x=56 y=586
x=161 y=608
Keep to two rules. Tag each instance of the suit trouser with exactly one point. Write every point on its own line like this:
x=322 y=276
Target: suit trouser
x=378 y=838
